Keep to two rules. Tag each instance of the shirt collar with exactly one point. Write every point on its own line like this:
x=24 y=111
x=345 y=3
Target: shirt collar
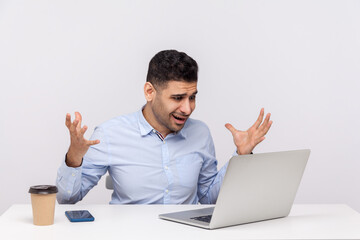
x=146 y=128
x=182 y=132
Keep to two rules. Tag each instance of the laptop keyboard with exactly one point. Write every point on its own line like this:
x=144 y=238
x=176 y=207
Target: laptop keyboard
x=206 y=218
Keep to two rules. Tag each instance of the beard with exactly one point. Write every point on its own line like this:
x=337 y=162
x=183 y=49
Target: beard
x=166 y=119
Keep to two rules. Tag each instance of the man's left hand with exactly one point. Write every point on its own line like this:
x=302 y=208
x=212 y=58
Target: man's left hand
x=246 y=141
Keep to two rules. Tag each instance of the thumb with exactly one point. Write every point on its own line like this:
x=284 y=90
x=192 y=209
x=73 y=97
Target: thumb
x=230 y=128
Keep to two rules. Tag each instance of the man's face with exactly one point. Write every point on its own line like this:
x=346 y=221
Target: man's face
x=173 y=104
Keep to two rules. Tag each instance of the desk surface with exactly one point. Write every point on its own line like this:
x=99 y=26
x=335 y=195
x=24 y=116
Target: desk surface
x=142 y=222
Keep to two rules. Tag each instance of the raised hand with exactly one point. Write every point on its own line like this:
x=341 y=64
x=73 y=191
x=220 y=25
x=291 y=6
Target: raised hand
x=246 y=141
x=78 y=145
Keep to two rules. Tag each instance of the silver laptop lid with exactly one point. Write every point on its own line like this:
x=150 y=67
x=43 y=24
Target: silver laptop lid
x=259 y=187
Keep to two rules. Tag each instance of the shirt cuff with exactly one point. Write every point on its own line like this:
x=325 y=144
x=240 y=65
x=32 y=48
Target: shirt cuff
x=236 y=154
x=68 y=181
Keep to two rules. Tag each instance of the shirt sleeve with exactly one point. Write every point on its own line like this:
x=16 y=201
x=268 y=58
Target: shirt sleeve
x=74 y=183
x=210 y=179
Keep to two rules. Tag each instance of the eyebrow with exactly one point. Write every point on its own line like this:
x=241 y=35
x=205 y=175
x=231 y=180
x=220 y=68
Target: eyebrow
x=183 y=94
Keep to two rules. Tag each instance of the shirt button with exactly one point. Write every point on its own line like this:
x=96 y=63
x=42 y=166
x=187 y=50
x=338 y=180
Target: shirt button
x=69 y=192
x=166 y=168
x=73 y=174
x=154 y=131
x=166 y=190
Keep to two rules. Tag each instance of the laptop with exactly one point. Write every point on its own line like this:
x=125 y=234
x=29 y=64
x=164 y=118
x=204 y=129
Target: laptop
x=256 y=187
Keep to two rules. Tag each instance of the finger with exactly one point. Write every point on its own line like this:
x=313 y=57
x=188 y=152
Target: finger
x=79 y=118
x=259 y=140
x=74 y=124
x=259 y=120
x=267 y=128
x=83 y=130
x=230 y=128
x=77 y=124
x=92 y=142
x=265 y=123
x=68 y=120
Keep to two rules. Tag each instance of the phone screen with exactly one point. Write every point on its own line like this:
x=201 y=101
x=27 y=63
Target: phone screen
x=79 y=216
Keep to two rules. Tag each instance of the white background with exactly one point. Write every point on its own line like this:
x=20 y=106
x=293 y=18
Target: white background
x=298 y=59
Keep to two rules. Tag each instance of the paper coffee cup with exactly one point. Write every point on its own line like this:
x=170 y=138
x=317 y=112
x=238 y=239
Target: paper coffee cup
x=43 y=204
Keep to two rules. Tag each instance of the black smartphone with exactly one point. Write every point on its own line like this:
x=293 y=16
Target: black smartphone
x=79 y=216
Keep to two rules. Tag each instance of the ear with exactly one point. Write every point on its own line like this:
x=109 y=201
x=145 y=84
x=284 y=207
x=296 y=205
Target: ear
x=149 y=91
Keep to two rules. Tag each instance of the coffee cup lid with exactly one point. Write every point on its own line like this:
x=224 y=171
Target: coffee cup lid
x=43 y=189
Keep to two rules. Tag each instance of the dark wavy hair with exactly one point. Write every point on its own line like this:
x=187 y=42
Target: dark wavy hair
x=170 y=65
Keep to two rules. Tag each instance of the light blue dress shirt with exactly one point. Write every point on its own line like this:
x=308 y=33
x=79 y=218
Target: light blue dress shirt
x=146 y=169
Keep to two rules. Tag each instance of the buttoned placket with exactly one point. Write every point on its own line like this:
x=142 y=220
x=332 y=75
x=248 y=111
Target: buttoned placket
x=165 y=164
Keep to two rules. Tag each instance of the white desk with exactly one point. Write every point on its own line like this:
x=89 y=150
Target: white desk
x=123 y=222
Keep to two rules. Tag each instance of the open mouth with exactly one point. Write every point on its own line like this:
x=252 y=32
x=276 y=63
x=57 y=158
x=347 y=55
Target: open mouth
x=178 y=119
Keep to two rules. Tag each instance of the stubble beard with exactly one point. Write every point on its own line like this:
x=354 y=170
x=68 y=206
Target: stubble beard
x=165 y=119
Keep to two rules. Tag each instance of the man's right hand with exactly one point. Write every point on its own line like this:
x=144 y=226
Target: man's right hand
x=78 y=145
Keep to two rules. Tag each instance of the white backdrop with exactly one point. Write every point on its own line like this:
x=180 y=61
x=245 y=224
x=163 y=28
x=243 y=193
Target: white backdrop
x=298 y=59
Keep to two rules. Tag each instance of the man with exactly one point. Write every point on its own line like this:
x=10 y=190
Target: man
x=157 y=155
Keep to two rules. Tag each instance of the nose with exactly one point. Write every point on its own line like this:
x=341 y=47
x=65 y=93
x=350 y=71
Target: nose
x=185 y=107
